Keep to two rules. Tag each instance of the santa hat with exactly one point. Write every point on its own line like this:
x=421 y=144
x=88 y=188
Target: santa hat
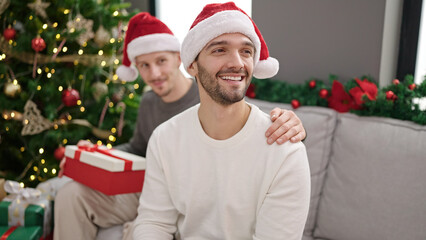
x=145 y=34
x=217 y=19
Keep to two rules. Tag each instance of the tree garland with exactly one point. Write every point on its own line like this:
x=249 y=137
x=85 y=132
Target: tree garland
x=361 y=96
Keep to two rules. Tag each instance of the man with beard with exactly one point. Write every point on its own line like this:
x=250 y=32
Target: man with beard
x=210 y=174
x=152 y=48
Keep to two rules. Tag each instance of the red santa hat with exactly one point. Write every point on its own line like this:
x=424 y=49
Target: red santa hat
x=219 y=18
x=145 y=34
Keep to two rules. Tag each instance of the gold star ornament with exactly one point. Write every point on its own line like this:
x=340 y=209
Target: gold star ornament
x=39 y=7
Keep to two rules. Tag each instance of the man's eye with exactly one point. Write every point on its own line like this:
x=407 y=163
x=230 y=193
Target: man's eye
x=219 y=50
x=248 y=51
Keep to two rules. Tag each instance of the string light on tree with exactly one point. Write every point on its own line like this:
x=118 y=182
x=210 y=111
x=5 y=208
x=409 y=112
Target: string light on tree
x=12 y=89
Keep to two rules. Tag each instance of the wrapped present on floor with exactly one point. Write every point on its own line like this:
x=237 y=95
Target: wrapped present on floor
x=26 y=207
x=2 y=191
x=109 y=171
x=20 y=233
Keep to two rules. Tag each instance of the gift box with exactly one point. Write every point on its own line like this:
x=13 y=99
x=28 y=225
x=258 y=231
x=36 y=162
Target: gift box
x=109 y=171
x=20 y=233
x=26 y=207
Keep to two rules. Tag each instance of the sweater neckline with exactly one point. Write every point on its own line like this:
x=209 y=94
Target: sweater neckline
x=236 y=139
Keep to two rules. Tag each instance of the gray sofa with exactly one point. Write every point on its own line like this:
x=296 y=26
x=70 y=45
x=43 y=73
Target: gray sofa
x=368 y=176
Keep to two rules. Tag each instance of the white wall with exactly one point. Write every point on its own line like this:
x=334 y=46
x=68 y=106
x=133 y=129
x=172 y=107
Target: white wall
x=315 y=38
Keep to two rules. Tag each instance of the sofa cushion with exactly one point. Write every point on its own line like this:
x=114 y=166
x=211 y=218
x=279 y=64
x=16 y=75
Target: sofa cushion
x=319 y=124
x=375 y=182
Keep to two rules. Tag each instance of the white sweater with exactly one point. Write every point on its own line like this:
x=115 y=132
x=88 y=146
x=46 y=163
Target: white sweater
x=238 y=188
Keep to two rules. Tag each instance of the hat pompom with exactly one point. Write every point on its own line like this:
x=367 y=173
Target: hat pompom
x=127 y=74
x=266 y=68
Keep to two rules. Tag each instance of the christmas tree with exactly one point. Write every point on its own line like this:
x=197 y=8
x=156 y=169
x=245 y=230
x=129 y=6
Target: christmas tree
x=57 y=74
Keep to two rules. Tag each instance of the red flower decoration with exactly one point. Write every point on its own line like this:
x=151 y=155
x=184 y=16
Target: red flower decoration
x=366 y=88
x=250 y=91
x=339 y=99
x=412 y=86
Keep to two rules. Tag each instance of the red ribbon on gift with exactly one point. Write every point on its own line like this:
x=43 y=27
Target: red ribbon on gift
x=127 y=163
x=8 y=232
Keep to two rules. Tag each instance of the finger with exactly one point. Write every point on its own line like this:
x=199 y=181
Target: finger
x=299 y=137
x=278 y=133
x=60 y=173
x=276 y=112
x=292 y=132
x=84 y=143
x=278 y=122
x=61 y=167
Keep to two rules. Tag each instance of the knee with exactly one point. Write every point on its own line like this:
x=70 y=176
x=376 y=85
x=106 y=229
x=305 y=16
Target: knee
x=69 y=194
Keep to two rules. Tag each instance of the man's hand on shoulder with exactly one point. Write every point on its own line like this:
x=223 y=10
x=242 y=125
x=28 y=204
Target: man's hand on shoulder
x=285 y=126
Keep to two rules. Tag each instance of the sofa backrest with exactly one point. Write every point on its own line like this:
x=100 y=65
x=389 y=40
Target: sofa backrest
x=375 y=183
x=319 y=124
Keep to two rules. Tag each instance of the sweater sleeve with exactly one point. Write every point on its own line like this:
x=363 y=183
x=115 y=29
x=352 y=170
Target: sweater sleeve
x=157 y=215
x=284 y=210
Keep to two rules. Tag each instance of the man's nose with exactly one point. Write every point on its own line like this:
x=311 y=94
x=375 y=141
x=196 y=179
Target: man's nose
x=235 y=60
x=155 y=72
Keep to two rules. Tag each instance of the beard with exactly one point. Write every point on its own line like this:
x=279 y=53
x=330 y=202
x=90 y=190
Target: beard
x=218 y=93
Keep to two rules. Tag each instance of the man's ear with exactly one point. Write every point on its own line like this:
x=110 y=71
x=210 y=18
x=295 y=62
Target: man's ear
x=192 y=69
x=179 y=59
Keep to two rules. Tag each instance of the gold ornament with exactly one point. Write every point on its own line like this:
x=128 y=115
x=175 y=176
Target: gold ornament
x=33 y=121
x=12 y=89
x=4 y=4
x=100 y=89
x=80 y=23
x=39 y=7
x=102 y=36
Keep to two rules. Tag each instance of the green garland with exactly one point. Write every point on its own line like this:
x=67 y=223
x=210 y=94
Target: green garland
x=394 y=101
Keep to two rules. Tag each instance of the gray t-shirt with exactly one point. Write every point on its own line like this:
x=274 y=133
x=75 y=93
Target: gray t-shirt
x=152 y=112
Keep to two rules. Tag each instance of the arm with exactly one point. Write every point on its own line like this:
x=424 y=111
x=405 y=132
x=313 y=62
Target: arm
x=138 y=143
x=284 y=210
x=286 y=126
x=157 y=215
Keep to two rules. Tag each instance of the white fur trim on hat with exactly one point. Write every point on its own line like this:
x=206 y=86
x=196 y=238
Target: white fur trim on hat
x=266 y=68
x=156 y=42
x=127 y=74
x=229 y=21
